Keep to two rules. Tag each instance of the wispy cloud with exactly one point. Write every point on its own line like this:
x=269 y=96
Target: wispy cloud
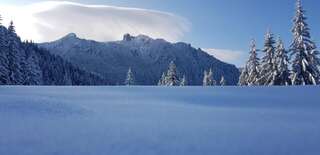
x=47 y=21
x=229 y=56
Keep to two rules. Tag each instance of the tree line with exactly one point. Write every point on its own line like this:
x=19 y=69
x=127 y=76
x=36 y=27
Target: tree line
x=23 y=63
x=299 y=65
x=171 y=78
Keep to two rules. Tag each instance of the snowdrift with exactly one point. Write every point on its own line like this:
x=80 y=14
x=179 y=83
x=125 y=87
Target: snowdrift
x=159 y=121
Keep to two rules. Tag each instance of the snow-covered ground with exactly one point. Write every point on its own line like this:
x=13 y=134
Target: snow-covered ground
x=159 y=121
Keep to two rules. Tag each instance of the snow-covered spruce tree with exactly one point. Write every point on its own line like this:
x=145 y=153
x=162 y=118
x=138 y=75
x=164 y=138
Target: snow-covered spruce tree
x=171 y=78
x=305 y=61
x=208 y=79
x=243 y=79
x=15 y=56
x=223 y=81
x=162 y=79
x=205 y=78
x=184 y=81
x=253 y=66
x=211 y=81
x=282 y=76
x=268 y=68
x=130 y=78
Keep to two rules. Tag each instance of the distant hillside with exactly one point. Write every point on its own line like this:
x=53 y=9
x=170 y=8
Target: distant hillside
x=147 y=57
x=26 y=64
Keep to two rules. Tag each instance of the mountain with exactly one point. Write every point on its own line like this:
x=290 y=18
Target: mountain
x=148 y=58
x=23 y=63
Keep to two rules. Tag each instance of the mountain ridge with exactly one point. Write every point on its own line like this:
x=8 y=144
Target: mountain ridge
x=148 y=58
x=23 y=63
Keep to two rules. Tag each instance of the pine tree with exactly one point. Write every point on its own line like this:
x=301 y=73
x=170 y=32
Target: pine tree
x=205 y=78
x=130 y=78
x=253 y=66
x=14 y=57
x=162 y=80
x=282 y=76
x=305 y=56
x=268 y=68
x=184 y=81
x=243 y=79
x=211 y=81
x=171 y=78
x=208 y=79
x=223 y=81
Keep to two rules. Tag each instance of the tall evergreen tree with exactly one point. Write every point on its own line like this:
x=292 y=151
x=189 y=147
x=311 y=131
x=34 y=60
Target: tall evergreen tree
x=253 y=66
x=14 y=56
x=171 y=78
x=243 y=79
x=268 y=68
x=208 y=79
x=282 y=76
x=184 y=81
x=211 y=81
x=305 y=56
x=205 y=78
x=130 y=78
x=162 y=80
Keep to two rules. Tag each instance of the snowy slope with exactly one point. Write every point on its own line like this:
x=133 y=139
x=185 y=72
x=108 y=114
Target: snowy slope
x=23 y=63
x=159 y=121
x=147 y=57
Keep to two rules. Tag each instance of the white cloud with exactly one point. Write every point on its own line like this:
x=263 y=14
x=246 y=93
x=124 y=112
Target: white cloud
x=47 y=21
x=229 y=56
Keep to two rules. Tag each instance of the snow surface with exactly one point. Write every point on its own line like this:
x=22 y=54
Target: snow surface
x=159 y=121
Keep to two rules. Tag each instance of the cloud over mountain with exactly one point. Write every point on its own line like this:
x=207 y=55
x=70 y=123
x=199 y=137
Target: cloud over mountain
x=47 y=21
x=230 y=56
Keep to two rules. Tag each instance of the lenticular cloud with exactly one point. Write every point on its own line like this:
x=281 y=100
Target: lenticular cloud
x=47 y=21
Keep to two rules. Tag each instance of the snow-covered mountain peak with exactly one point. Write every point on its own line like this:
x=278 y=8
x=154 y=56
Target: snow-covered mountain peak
x=127 y=37
x=143 y=37
x=70 y=39
x=71 y=35
x=148 y=57
x=140 y=38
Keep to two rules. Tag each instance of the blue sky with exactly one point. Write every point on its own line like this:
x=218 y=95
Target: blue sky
x=225 y=24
